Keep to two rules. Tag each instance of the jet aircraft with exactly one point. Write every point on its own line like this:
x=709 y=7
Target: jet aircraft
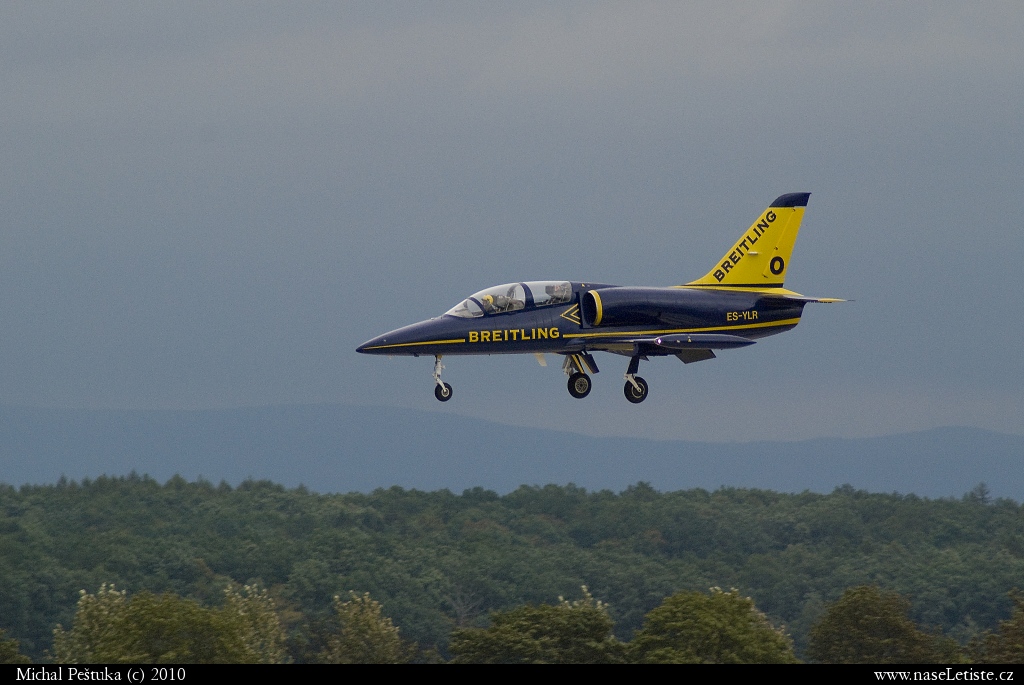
x=740 y=300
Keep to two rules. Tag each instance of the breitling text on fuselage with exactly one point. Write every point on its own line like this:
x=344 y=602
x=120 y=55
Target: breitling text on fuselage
x=514 y=334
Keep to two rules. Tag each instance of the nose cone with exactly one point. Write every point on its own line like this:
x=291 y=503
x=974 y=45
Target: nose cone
x=377 y=345
x=419 y=338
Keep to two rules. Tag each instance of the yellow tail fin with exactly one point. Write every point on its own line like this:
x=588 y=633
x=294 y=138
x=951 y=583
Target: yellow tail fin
x=761 y=256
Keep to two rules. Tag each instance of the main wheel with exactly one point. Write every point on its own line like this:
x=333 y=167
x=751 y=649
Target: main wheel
x=579 y=385
x=632 y=394
x=443 y=392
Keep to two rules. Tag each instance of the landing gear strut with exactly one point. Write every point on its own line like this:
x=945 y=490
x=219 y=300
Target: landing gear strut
x=635 y=388
x=442 y=391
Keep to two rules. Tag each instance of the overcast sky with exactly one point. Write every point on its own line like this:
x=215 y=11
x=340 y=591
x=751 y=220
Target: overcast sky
x=211 y=204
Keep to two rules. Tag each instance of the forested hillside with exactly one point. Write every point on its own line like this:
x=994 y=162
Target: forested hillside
x=341 y=448
x=437 y=560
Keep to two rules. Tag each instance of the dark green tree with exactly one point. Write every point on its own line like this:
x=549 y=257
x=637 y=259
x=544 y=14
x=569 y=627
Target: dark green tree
x=1006 y=645
x=109 y=627
x=578 y=632
x=9 y=652
x=250 y=618
x=365 y=635
x=869 y=626
x=714 y=628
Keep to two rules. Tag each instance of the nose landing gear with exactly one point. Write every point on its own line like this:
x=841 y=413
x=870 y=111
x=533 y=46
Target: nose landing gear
x=442 y=391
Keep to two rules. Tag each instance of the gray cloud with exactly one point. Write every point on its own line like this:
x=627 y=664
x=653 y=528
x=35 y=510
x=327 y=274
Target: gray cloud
x=211 y=204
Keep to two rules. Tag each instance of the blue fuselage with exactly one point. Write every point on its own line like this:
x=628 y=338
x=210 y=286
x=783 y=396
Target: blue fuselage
x=622 y=320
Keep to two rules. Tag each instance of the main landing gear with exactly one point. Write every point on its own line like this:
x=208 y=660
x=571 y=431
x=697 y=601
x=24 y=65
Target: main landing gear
x=442 y=391
x=579 y=385
x=635 y=388
x=576 y=366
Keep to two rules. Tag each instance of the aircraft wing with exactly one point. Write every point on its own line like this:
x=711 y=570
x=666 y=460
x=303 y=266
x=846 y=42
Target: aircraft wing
x=674 y=341
x=689 y=347
x=698 y=341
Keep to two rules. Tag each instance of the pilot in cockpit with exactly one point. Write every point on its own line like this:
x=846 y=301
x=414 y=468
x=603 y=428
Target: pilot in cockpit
x=492 y=303
x=496 y=302
x=560 y=292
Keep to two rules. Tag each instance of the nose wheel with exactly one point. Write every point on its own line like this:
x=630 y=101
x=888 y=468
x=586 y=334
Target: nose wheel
x=579 y=385
x=442 y=391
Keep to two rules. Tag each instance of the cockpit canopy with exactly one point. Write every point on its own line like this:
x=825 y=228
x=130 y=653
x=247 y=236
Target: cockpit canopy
x=512 y=297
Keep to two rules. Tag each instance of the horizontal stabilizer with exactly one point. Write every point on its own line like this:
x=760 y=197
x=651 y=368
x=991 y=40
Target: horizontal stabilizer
x=704 y=341
x=801 y=298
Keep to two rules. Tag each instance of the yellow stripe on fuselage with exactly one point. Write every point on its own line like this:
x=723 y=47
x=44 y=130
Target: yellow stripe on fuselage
x=426 y=342
x=663 y=331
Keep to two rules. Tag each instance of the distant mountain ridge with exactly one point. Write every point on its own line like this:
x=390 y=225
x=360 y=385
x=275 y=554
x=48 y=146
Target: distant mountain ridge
x=341 y=448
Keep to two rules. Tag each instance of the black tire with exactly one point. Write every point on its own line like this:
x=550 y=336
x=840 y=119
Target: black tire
x=443 y=392
x=631 y=393
x=579 y=385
